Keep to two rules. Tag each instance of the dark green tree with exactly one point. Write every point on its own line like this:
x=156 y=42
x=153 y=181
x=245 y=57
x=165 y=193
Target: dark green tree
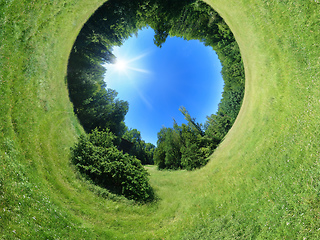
x=96 y=156
x=140 y=149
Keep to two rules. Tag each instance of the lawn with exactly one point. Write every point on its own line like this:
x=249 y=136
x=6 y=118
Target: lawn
x=263 y=181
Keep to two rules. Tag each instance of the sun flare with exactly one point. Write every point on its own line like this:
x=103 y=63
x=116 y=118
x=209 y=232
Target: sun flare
x=121 y=65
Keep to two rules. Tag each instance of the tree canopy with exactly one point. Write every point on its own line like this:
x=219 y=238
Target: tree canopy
x=186 y=146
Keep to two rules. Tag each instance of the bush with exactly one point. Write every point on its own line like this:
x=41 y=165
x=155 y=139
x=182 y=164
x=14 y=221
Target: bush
x=96 y=157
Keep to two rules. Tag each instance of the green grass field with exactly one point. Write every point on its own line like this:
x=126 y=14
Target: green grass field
x=263 y=182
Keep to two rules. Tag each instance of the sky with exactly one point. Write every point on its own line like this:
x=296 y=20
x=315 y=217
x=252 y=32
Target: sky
x=157 y=81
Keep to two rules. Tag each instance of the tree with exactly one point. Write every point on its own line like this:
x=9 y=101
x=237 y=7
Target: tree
x=185 y=146
x=167 y=154
x=141 y=150
x=196 y=127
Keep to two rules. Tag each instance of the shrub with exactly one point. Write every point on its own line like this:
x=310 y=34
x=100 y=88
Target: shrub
x=96 y=157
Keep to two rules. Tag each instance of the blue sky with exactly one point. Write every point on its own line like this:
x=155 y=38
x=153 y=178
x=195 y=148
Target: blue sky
x=157 y=81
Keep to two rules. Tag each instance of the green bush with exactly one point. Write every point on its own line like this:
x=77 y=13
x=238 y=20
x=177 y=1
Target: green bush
x=96 y=157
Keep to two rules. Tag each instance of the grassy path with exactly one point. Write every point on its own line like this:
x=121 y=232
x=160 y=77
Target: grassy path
x=262 y=182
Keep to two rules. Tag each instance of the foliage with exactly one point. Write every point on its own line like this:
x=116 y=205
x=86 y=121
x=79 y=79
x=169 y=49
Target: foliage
x=167 y=154
x=140 y=149
x=196 y=20
x=96 y=156
x=184 y=147
x=95 y=105
x=112 y=24
x=263 y=183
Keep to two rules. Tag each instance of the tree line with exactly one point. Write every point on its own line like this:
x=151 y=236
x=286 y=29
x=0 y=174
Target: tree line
x=188 y=146
x=97 y=107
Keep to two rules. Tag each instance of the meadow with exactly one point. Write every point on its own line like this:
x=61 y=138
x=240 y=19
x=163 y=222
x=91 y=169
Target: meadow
x=263 y=182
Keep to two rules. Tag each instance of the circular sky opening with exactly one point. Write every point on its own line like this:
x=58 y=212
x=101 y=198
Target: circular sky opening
x=158 y=81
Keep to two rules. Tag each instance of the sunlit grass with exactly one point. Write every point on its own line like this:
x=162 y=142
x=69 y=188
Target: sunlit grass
x=262 y=182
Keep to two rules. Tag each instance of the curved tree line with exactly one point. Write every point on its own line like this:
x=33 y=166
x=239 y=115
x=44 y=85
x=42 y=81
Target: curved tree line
x=188 y=146
x=97 y=107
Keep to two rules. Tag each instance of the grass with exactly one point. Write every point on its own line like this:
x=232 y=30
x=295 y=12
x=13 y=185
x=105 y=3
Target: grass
x=261 y=183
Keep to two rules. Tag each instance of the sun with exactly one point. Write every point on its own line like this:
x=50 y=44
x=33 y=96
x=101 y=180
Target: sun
x=121 y=65
x=125 y=65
